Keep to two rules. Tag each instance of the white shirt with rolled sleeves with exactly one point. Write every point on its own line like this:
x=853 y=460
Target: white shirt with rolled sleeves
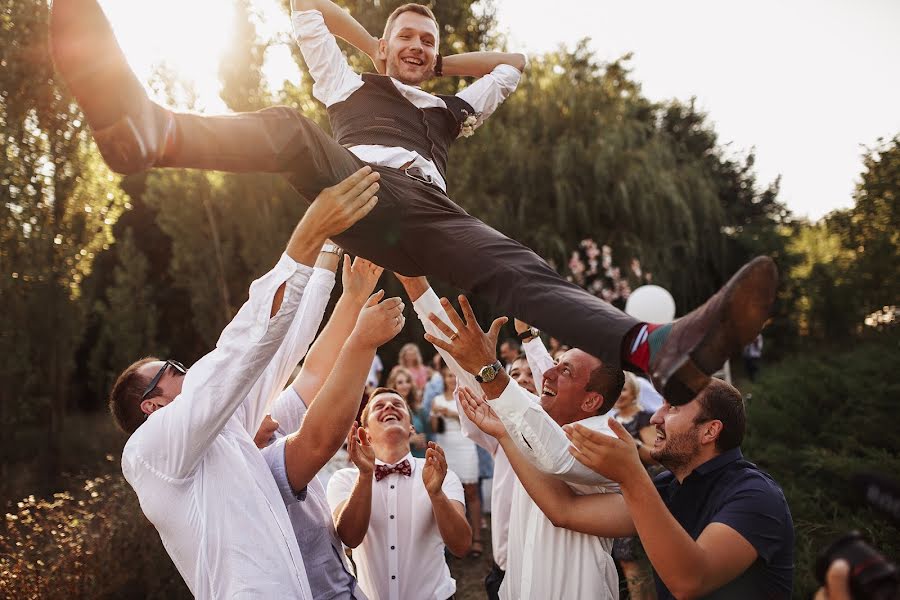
x=335 y=81
x=402 y=554
x=198 y=475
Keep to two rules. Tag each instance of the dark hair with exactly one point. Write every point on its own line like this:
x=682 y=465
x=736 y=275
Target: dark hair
x=125 y=397
x=419 y=9
x=606 y=380
x=364 y=417
x=722 y=402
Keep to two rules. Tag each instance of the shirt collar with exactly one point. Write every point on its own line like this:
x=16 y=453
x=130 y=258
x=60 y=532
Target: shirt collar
x=409 y=457
x=714 y=464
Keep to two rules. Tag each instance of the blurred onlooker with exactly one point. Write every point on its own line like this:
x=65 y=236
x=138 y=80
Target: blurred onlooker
x=461 y=453
x=509 y=351
x=629 y=553
x=411 y=357
x=752 y=356
x=401 y=379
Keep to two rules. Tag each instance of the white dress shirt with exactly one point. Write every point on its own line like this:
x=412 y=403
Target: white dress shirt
x=198 y=475
x=402 y=555
x=335 y=81
x=539 y=360
x=540 y=560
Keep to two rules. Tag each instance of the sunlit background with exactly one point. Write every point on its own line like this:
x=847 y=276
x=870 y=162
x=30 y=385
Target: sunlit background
x=805 y=83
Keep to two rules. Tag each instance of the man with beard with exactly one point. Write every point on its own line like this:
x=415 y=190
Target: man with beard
x=713 y=526
x=387 y=121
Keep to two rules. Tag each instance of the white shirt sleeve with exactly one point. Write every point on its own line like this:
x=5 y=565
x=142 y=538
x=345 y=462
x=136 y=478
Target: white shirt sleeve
x=174 y=439
x=296 y=342
x=453 y=487
x=340 y=486
x=429 y=303
x=486 y=94
x=333 y=78
x=541 y=439
x=539 y=360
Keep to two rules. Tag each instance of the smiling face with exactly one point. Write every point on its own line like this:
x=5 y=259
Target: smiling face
x=679 y=437
x=387 y=418
x=564 y=394
x=409 y=48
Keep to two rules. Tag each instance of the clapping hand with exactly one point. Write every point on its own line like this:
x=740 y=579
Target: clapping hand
x=481 y=413
x=435 y=469
x=360 y=450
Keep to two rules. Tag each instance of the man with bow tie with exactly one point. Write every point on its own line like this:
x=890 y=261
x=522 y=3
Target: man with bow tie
x=396 y=511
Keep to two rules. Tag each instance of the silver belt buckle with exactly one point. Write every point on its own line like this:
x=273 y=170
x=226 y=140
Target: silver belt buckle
x=418 y=174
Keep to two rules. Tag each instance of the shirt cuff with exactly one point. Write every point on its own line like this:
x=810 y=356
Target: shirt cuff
x=278 y=465
x=508 y=75
x=512 y=403
x=307 y=23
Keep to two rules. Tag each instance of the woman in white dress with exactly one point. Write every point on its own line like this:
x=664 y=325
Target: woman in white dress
x=462 y=455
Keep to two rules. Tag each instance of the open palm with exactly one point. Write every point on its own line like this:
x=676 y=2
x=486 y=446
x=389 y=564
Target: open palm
x=481 y=413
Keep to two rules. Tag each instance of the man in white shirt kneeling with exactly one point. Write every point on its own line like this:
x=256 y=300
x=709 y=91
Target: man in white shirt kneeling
x=398 y=512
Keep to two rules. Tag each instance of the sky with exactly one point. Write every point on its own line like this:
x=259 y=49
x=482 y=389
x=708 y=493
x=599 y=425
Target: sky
x=806 y=84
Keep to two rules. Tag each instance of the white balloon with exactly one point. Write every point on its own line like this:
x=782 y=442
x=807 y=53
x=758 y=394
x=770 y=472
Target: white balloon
x=652 y=304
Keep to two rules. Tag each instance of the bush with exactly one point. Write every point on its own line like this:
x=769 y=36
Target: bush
x=90 y=543
x=816 y=420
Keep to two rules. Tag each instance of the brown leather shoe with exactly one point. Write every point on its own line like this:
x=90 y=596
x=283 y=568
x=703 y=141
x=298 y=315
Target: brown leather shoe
x=131 y=132
x=701 y=341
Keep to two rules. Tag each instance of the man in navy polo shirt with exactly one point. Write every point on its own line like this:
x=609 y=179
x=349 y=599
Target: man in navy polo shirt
x=719 y=527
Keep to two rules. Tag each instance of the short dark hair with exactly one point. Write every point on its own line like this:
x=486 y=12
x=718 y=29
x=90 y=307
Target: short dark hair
x=606 y=380
x=364 y=417
x=722 y=402
x=419 y=9
x=125 y=397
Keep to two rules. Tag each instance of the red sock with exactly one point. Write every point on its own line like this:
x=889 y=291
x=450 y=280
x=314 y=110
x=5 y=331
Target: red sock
x=636 y=346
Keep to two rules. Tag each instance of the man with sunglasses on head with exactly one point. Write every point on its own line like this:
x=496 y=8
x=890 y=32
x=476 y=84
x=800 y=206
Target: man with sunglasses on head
x=191 y=457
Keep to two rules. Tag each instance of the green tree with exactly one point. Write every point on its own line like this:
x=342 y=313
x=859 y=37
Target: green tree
x=57 y=204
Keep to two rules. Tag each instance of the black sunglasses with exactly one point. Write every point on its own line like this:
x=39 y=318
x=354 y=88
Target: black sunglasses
x=169 y=363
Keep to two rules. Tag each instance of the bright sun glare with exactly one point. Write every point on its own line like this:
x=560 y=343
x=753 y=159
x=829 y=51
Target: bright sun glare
x=190 y=37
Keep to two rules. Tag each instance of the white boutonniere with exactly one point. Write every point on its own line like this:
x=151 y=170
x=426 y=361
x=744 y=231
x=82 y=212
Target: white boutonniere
x=468 y=125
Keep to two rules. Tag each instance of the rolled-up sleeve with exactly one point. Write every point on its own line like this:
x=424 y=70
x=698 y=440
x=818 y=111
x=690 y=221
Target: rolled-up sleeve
x=486 y=94
x=333 y=78
x=274 y=455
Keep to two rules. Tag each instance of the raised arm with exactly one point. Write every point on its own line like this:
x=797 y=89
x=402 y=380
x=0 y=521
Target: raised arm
x=340 y=23
x=353 y=510
x=358 y=279
x=218 y=384
x=604 y=515
x=539 y=360
x=479 y=64
x=331 y=415
x=425 y=302
x=689 y=568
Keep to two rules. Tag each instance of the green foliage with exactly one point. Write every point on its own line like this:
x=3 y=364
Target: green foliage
x=815 y=421
x=58 y=202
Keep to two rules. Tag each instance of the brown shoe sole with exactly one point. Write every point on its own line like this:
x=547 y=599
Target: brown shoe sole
x=739 y=312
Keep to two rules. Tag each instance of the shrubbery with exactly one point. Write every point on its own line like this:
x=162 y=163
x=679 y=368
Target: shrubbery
x=816 y=421
x=90 y=543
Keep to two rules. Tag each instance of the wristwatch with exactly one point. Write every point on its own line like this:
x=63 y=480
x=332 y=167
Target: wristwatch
x=531 y=332
x=488 y=373
x=333 y=249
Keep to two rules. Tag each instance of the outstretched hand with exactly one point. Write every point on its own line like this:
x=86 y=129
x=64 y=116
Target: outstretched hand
x=359 y=278
x=467 y=343
x=360 y=450
x=616 y=458
x=338 y=207
x=435 y=469
x=481 y=413
x=379 y=321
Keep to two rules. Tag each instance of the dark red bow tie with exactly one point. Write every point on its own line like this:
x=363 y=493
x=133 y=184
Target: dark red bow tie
x=403 y=468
